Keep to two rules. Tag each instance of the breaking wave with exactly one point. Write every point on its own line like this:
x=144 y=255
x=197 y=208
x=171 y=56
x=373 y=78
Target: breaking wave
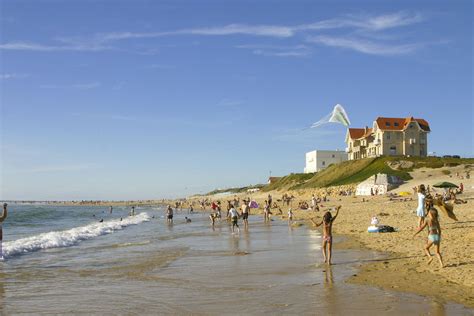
x=69 y=237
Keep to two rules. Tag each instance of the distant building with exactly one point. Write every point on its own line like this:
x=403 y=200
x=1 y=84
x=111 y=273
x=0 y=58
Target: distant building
x=318 y=160
x=389 y=137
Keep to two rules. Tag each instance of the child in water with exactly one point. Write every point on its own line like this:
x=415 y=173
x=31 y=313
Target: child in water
x=434 y=235
x=290 y=216
x=327 y=221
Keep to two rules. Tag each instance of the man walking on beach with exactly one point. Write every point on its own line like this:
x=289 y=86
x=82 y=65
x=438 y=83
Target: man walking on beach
x=245 y=213
x=234 y=216
x=2 y=218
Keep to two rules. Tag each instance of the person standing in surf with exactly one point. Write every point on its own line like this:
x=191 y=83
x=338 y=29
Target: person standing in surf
x=245 y=213
x=266 y=212
x=234 y=217
x=327 y=221
x=169 y=214
x=2 y=218
x=110 y=210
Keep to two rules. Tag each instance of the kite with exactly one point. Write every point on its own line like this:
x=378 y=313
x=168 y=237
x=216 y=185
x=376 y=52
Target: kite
x=338 y=115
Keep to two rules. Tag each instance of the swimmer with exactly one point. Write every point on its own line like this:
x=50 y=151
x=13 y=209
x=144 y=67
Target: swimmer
x=328 y=219
x=187 y=220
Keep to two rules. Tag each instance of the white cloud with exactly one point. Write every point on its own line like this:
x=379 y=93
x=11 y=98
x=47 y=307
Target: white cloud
x=277 y=50
x=232 y=29
x=375 y=23
x=13 y=76
x=79 y=86
x=289 y=53
x=28 y=46
x=365 y=22
x=370 y=24
x=364 y=46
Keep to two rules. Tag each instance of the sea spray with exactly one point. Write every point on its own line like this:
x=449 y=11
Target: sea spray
x=69 y=237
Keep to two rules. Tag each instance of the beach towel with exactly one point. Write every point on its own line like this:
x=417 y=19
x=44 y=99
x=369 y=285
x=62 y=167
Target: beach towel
x=253 y=204
x=446 y=208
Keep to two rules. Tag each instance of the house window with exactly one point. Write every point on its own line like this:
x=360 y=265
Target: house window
x=387 y=123
x=395 y=124
x=324 y=163
x=333 y=156
x=388 y=135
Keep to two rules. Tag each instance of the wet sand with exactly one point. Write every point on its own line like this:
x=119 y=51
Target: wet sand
x=405 y=268
x=153 y=268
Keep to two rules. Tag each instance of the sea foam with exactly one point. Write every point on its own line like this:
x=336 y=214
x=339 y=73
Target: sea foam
x=69 y=237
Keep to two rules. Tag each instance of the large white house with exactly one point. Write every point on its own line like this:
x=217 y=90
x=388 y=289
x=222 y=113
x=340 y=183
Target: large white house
x=317 y=160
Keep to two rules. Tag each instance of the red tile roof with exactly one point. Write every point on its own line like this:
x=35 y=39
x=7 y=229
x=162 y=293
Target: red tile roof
x=399 y=124
x=356 y=133
x=367 y=133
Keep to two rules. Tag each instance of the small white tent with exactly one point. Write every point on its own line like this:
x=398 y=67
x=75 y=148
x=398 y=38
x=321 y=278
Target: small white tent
x=378 y=184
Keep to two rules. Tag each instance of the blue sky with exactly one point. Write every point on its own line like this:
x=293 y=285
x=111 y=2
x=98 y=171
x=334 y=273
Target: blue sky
x=149 y=99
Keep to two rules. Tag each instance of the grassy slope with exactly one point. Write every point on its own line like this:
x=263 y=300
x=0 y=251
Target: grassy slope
x=289 y=181
x=234 y=190
x=350 y=172
x=356 y=171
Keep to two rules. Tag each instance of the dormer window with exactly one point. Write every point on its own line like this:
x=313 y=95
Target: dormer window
x=395 y=124
x=387 y=124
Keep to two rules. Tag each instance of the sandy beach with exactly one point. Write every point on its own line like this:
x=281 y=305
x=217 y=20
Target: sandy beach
x=405 y=267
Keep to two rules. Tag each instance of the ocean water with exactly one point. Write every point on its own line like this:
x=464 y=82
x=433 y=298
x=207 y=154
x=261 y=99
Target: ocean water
x=61 y=260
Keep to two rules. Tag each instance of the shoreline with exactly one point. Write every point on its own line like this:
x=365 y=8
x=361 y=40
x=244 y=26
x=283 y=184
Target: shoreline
x=385 y=273
x=405 y=268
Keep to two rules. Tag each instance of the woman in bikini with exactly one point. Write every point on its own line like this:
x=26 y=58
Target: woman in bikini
x=434 y=235
x=328 y=219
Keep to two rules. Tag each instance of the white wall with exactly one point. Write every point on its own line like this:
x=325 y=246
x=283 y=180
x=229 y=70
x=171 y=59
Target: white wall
x=310 y=162
x=318 y=160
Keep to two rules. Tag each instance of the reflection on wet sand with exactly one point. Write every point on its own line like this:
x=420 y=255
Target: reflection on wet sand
x=330 y=291
x=195 y=269
x=2 y=291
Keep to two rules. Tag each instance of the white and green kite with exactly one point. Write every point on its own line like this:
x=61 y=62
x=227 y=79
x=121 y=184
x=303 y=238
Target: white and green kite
x=338 y=115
